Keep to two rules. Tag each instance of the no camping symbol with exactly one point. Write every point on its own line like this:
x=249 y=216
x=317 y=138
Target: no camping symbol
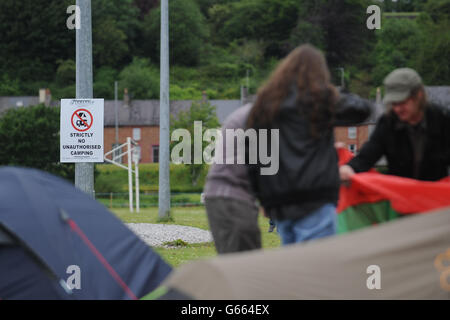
x=82 y=120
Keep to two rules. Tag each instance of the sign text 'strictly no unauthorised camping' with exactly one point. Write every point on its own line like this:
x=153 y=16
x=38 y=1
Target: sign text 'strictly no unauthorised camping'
x=81 y=134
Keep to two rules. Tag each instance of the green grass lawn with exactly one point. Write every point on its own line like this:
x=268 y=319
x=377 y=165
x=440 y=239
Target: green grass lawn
x=193 y=217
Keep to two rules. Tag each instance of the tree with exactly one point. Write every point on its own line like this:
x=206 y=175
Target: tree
x=33 y=35
x=400 y=5
x=104 y=78
x=396 y=47
x=145 y=6
x=341 y=28
x=306 y=32
x=110 y=43
x=141 y=79
x=115 y=21
x=29 y=137
x=438 y=9
x=422 y=44
x=270 y=21
x=433 y=49
x=65 y=74
x=205 y=5
x=199 y=111
x=187 y=32
x=9 y=87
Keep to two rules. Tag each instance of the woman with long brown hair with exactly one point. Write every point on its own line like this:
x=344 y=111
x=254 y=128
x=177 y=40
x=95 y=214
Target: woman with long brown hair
x=300 y=101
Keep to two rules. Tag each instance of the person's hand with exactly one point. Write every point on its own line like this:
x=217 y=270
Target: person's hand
x=339 y=145
x=346 y=172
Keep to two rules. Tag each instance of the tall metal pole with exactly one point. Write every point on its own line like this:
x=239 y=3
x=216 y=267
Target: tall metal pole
x=164 y=122
x=84 y=171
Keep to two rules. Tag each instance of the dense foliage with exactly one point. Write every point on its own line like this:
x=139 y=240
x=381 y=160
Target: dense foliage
x=218 y=45
x=29 y=137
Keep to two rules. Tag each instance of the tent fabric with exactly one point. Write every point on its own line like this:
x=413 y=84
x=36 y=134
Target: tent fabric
x=405 y=195
x=5 y=239
x=373 y=198
x=41 y=210
x=365 y=215
x=24 y=280
x=408 y=252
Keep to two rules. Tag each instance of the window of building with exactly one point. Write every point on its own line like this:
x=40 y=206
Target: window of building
x=155 y=154
x=352 y=148
x=136 y=134
x=352 y=132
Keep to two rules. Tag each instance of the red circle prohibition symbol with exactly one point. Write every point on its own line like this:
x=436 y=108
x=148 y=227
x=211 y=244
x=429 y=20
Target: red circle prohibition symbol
x=79 y=121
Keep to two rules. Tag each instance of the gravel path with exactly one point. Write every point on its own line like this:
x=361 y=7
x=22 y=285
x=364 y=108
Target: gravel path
x=157 y=234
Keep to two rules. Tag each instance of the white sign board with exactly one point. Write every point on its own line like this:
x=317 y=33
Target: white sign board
x=81 y=130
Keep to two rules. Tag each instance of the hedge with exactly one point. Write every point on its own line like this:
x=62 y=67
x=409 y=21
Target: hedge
x=115 y=179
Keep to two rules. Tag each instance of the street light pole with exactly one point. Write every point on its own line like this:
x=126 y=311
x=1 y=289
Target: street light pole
x=164 y=120
x=84 y=171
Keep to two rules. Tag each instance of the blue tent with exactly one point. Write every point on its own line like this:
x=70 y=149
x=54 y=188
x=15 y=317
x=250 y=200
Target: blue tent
x=58 y=243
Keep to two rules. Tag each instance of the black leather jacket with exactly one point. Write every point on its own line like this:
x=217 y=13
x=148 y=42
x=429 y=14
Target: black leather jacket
x=391 y=138
x=308 y=174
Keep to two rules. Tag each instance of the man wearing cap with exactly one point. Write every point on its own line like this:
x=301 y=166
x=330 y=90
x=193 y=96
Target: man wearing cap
x=413 y=134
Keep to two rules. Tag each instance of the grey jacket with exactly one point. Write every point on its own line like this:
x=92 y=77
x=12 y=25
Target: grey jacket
x=230 y=180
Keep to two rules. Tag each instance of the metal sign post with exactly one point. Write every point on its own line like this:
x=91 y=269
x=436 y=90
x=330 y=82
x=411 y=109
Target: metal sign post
x=84 y=171
x=164 y=118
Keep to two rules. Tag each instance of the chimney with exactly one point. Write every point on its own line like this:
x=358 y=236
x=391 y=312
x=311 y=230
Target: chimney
x=244 y=95
x=41 y=95
x=126 y=97
x=48 y=97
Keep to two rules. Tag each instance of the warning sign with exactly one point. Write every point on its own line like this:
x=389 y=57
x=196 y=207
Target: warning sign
x=81 y=134
x=82 y=120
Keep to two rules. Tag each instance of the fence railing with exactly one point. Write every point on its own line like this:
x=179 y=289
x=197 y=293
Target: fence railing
x=177 y=199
